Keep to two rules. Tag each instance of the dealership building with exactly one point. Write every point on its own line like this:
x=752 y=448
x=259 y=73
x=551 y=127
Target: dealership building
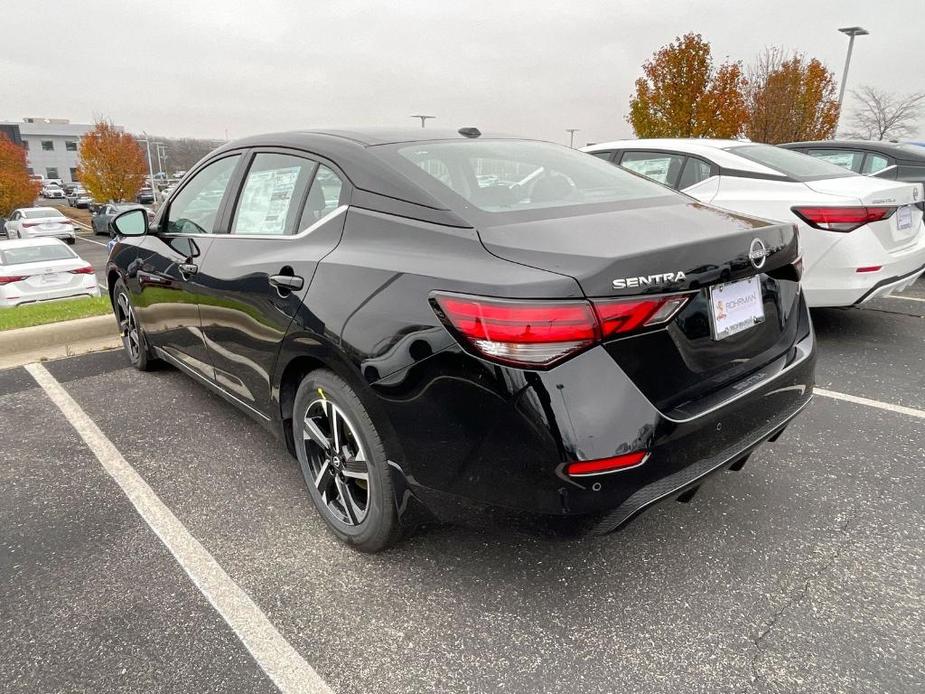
x=51 y=145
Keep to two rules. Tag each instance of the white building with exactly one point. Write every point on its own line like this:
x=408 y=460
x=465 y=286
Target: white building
x=51 y=145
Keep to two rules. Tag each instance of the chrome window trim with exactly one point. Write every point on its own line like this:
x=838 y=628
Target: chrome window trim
x=339 y=210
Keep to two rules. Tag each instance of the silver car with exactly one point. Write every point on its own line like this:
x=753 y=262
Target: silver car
x=39 y=222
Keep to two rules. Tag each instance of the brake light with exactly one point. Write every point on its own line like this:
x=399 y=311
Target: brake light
x=9 y=279
x=869 y=268
x=841 y=218
x=539 y=334
x=31 y=224
x=601 y=466
x=85 y=270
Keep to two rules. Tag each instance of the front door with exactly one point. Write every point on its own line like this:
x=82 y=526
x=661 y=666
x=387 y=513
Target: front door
x=165 y=291
x=288 y=216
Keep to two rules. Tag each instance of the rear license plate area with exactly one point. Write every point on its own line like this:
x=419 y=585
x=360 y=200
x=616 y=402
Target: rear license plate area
x=735 y=307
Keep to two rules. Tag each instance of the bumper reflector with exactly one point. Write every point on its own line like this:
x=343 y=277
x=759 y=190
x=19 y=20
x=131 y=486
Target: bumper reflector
x=601 y=466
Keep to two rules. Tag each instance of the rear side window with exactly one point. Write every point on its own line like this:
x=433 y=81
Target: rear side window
x=845 y=158
x=36 y=254
x=659 y=166
x=606 y=155
x=324 y=197
x=874 y=163
x=800 y=167
x=695 y=171
x=272 y=194
x=195 y=208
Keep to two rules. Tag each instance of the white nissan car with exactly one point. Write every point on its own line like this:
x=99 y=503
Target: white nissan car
x=34 y=270
x=37 y=222
x=861 y=237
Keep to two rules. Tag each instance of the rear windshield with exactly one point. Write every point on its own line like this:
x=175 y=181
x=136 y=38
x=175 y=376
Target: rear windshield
x=41 y=213
x=513 y=175
x=35 y=254
x=798 y=166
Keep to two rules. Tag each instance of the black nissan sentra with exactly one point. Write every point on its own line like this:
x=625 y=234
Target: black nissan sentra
x=457 y=325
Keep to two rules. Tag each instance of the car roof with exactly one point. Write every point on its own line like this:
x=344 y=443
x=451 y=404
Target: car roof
x=716 y=151
x=897 y=150
x=352 y=150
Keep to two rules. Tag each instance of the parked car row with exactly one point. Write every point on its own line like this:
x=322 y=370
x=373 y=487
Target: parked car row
x=861 y=236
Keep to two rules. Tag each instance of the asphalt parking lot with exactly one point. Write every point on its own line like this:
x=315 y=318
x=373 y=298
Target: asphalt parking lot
x=803 y=572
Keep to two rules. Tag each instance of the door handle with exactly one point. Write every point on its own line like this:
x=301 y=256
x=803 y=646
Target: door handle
x=292 y=283
x=188 y=268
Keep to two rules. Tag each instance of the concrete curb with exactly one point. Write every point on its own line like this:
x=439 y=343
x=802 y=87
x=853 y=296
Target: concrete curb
x=56 y=340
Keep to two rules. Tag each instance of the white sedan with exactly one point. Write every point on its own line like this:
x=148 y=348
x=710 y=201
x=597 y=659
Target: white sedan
x=38 y=222
x=53 y=192
x=42 y=269
x=861 y=237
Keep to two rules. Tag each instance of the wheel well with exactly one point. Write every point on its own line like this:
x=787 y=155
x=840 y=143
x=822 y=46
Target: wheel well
x=288 y=385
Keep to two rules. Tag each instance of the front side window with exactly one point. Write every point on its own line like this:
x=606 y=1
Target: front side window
x=195 y=208
x=874 y=163
x=272 y=194
x=845 y=158
x=323 y=197
x=659 y=166
x=48 y=145
x=509 y=176
x=800 y=167
x=70 y=146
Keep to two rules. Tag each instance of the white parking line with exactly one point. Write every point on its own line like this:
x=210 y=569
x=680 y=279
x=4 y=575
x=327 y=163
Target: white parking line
x=911 y=411
x=276 y=656
x=98 y=243
x=906 y=298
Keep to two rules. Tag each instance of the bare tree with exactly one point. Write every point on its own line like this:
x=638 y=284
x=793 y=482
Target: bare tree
x=883 y=115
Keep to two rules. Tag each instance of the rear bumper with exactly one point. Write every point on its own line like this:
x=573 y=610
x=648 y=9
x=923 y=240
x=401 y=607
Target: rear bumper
x=477 y=442
x=891 y=284
x=8 y=300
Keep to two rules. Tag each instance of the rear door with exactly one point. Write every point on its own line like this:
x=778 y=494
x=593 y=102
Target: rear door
x=289 y=213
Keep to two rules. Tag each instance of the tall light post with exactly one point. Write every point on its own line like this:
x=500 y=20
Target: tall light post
x=423 y=118
x=571 y=136
x=150 y=168
x=851 y=32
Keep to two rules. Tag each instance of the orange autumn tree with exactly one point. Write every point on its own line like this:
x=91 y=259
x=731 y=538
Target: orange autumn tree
x=790 y=98
x=112 y=163
x=17 y=189
x=683 y=94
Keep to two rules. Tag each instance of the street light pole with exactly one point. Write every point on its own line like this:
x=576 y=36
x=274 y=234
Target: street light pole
x=150 y=168
x=571 y=136
x=423 y=118
x=851 y=32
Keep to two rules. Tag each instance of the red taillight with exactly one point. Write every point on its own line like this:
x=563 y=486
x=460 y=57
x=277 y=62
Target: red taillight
x=602 y=466
x=85 y=270
x=9 y=279
x=539 y=334
x=870 y=268
x=31 y=224
x=841 y=218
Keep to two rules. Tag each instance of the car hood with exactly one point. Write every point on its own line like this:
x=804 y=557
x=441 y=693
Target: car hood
x=674 y=246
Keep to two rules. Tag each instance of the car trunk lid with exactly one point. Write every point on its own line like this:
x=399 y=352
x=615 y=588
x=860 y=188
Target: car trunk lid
x=679 y=247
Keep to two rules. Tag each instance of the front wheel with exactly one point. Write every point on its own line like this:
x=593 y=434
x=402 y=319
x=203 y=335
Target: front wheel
x=133 y=339
x=344 y=463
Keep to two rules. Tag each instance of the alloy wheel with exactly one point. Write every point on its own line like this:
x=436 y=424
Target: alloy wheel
x=337 y=461
x=128 y=326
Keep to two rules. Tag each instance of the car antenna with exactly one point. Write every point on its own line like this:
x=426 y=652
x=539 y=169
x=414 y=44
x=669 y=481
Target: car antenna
x=469 y=132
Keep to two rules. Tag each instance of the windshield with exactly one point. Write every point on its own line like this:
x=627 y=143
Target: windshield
x=35 y=254
x=41 y=213
x=800 y=167
x=508 y=175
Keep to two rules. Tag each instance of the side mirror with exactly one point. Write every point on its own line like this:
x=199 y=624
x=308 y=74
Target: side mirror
x=130 y=223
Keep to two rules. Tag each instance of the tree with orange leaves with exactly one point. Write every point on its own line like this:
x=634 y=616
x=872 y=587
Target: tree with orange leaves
x=17 y=189
x=112 y=163
x=683 y=94
x=790 y=99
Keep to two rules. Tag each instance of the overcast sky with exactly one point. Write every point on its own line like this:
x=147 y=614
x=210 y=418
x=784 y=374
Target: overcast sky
x=204 y=69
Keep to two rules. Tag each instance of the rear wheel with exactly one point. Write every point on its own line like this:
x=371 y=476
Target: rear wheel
x=344 y=463
x=133 y=339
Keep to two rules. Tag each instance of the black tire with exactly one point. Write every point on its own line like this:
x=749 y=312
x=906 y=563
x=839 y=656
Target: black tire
x=321 y=393
x=133 y=337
